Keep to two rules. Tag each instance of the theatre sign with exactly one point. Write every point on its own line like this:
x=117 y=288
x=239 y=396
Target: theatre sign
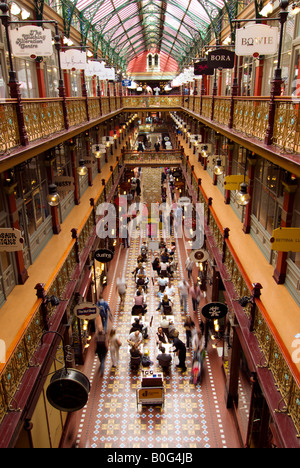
x=256 y=39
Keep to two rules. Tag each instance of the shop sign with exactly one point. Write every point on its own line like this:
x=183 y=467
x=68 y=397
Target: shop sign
x=73 y=59
x=104 y=255
x=126 y=83
x=286 y=240
x=88 y=162
x=206 y=147
x=149 y=395
x=86 y=311
x=184 y=201
x=199 y=256
x=11 y=240
x=31 y=41
x=64 y=183
x=201 y=68
x=256 y=39
x=99 y=148
x=220 y=58
x=94 y=68
x=233 y=182
x=214 y=310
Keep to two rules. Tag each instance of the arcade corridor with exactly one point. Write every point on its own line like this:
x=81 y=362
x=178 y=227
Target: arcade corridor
x=191 y=416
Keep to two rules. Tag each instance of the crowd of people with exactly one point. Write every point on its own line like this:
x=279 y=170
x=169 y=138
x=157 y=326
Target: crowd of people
x=169 y=344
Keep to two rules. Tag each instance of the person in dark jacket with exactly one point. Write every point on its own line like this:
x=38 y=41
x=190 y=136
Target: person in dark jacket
x=164 y=359
x=179 y=347
x=101 y=348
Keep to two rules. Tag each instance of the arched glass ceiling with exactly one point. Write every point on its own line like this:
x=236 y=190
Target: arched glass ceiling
x=129 y=27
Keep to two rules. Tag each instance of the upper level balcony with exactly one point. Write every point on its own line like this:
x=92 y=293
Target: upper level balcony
x=269 y=128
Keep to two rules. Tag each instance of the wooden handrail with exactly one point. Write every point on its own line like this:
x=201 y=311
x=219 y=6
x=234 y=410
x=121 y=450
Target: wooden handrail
x=293 y=368
x=24 y=327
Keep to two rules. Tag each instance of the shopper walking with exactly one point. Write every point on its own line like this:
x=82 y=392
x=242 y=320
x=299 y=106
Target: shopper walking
x=121 y=288
x=189 y=265
x=195 y=293
x=115 y=344
x=180 y=349
x=101 y=348
x=105 y=312
x=183 y=287
x=189 y=327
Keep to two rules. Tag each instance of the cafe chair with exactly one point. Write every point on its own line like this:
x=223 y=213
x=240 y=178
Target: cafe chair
x=167 y=310
x=142 y=282
x=166 y=367
x=135 y=362
x=137 y=310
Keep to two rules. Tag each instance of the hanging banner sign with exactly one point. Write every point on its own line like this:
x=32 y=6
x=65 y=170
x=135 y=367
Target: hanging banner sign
x=286 y=240
x=215 y=310
x=104 y=255
x=126 y=83
x=233 y=182
x=88 y=162
x=11 y=240
x=184 y=201
x=199 y=256
x=64 y=183
x=201 y=68
x=256 y=39
x=99 y=148
x=220 y=58
x=73 y=59
x=86 y=311
x=31 y=41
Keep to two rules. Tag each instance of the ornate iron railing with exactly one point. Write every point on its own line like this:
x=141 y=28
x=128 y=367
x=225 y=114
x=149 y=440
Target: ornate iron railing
x=20 y=355
x=46 y=117
x=277 y=358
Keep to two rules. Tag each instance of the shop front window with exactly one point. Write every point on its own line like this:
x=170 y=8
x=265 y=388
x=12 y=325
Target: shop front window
x=295 y=256
x=26 y=72
x=75 y=83
x=51 y=76
x=246 y=74
x=33 y=183
x=295 y=86
x=3 y=90
x=267 y=195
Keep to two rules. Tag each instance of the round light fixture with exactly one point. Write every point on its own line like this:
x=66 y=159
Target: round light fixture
x=218 y=170
x=82 y=169
x=243 y=197
x=53 y=198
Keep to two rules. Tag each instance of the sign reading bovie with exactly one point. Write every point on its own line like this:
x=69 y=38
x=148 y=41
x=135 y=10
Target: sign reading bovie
x=256 y=39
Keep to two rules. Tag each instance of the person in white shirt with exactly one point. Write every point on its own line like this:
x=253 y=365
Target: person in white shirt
x=189 y=265
x=183 y=287
x=164 y=268
x=170 y=291
x=121 y=287
x=135 y=339
x=162 y=283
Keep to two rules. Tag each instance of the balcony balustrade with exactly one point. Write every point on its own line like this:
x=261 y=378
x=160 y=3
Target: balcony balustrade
x=45 y=117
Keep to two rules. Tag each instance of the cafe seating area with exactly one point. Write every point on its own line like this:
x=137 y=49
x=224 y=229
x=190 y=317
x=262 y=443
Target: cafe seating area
x=122 y=411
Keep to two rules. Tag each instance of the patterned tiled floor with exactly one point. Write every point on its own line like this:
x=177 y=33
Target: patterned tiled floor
x=191 y=417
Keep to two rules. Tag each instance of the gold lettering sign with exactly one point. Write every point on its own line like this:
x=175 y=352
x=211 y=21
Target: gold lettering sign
x=150 y=393
x=233 y=182
x=286 y=240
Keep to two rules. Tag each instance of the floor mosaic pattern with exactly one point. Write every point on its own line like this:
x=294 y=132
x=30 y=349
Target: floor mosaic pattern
x=191 y=416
